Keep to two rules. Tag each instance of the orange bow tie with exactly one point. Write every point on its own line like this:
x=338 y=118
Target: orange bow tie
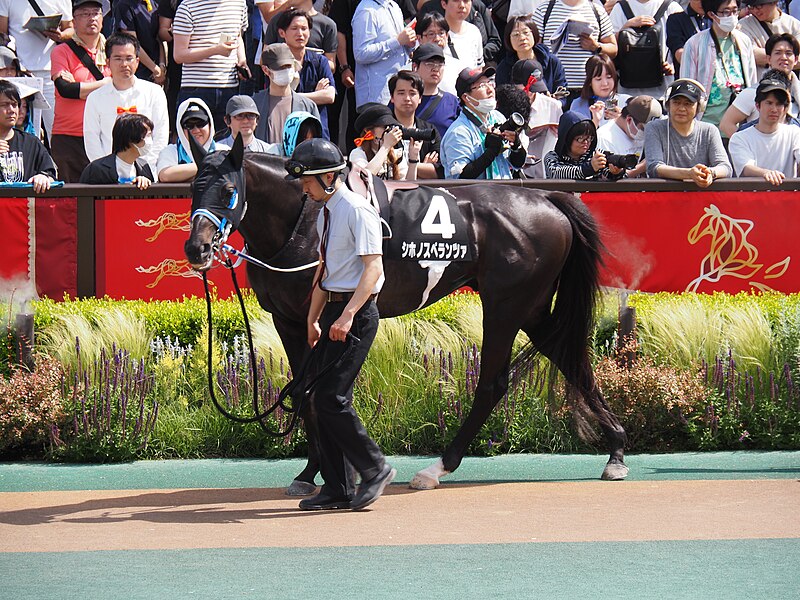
x=130 y=109
x=367 y=137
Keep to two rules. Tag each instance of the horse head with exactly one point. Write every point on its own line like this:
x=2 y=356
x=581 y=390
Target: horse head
x=218 y=201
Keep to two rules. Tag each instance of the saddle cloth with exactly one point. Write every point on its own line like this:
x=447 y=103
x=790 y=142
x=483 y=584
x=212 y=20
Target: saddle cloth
x=419 y=223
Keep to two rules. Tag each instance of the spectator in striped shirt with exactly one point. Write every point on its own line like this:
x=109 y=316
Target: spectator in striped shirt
x=575 y=50
x=209 y=44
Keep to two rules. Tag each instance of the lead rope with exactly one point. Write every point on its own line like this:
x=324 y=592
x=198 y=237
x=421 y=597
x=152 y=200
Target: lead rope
x=289 y=388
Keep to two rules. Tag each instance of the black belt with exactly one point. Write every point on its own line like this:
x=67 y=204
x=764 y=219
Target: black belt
x=345 y=296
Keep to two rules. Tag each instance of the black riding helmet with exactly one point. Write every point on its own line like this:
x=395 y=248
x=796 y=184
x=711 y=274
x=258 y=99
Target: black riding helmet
x=315 y=157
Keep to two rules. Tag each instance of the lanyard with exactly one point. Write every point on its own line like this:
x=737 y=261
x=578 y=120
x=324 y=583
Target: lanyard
x=735 y=89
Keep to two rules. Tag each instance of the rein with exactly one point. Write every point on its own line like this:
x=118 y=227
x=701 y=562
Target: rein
x=289 y=388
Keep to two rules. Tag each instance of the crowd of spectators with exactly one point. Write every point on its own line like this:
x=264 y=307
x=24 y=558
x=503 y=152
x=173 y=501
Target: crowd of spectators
x=118 y=91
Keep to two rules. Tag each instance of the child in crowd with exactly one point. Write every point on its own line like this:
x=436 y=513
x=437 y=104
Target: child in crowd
x=599 y=100
x=131 y=138
x=23 y=158
x=299 y=127
x=575 y=156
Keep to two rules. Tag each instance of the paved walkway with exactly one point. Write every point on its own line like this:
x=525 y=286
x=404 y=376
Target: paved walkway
x=716 y=525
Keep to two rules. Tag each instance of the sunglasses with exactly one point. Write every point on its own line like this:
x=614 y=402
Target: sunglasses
x=194 y=125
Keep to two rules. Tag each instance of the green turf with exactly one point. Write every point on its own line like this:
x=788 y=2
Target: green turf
x=637 y=570
x=228 y=473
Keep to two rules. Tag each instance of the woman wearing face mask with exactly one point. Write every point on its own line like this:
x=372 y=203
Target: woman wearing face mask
x=375 y=149
x=131 y=140
x=475 y=146
x=720 y=58
x=599 y=100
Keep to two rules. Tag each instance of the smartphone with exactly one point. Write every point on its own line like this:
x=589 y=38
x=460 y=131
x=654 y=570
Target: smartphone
x=226 y=38
x=612 y=102
x=243 y=73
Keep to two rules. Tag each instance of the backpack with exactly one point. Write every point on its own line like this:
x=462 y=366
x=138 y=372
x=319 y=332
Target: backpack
x=639 y=61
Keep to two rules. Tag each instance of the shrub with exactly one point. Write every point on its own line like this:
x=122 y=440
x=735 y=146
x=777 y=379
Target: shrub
x=30 y=402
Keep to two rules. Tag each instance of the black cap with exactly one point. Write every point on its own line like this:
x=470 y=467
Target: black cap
x=468 y=77
x=194 y=111
x=373 y=114
x=529 y=73
x=77 y=3
x=758 y=2
x=427 y=51
x=687 y=88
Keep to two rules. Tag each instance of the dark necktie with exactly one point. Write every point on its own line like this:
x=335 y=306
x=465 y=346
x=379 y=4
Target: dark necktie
x=323 y=244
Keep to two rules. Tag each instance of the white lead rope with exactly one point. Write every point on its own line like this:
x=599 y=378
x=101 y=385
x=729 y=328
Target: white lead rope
x=243 y=256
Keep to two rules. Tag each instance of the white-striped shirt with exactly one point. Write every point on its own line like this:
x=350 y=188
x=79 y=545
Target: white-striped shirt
x=571 y=55
x=204 y=21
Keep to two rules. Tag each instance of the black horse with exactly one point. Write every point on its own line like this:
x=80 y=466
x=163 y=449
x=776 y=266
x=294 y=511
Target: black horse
x=530 y=244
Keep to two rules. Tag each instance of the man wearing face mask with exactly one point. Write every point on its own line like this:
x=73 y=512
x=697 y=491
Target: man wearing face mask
x=132 y=138
x=625 y=134
x=720 y=58
x=474 y=147
x=278 y=101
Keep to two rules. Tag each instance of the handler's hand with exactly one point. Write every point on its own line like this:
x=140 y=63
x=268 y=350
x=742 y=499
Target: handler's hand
x=340 y=329
x=314 y=333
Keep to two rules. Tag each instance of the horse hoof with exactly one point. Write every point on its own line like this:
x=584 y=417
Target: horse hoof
x=301 y=488
x=616 y=471
x=428 y=479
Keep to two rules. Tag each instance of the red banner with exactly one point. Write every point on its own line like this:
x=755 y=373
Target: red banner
x=140 y=251
x=699 y=241
x=39 y=244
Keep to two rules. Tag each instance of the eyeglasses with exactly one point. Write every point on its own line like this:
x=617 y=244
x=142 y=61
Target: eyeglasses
x=521 y=33
x=728 y=12
x=88 y=14
x=245 y=116
x=583 y=139
x=124 y=60
x=433 y=65
x=189 y=125
x=434 y=34
x=486 y=85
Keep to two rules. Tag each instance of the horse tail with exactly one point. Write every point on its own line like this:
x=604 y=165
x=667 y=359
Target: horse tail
x=572 y=317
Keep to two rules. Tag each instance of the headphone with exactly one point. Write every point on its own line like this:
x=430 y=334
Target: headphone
x=702 y=103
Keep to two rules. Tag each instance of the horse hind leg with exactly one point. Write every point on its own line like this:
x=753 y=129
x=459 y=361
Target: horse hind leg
x=498 y=338
x=579 y=375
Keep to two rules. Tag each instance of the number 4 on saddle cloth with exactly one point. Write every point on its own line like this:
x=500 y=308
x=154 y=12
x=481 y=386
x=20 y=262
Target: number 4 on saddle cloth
x=419 y=223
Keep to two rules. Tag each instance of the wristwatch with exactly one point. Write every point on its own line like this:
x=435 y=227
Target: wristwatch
x=343 y=68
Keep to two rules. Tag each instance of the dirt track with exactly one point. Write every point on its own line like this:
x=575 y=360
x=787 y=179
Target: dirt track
x=58 y=521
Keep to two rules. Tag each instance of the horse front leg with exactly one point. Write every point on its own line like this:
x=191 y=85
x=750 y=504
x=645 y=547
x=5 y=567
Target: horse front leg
x=492 y=386
x=293 y=336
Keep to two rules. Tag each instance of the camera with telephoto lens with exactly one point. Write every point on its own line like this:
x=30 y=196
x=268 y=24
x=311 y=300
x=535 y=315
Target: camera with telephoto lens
x=421 y=135
x=621 y=161
x=514 y=123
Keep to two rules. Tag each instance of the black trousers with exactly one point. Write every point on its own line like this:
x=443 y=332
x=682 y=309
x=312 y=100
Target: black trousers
x=343 y=442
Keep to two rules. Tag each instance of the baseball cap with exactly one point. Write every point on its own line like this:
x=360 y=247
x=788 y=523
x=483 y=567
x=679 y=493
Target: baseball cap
x=772 y=85
x=759 y=2
x=529 y=73
x=643 y=108
x=194 y=111
x=77 y=3
x=8 y=58
x=241 y=104
x=373 y=114
x=686 y=88
x=275 y=56
x=467 y=78
x=427 y=51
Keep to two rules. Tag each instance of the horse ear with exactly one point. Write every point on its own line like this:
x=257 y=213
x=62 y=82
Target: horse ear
x=236 y=155
x=198 y=152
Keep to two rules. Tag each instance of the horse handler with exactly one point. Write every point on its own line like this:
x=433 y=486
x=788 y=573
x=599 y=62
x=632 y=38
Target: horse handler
x=346 y=284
